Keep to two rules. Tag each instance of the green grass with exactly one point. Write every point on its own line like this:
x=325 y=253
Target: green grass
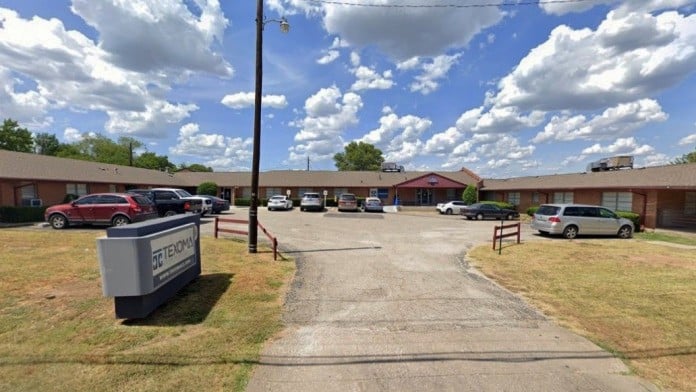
x=683 y=239
x=58 y=332
x=632 y=298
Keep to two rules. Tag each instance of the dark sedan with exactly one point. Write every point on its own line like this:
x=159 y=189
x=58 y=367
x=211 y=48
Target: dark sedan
x=486 y=211
x=219 y=204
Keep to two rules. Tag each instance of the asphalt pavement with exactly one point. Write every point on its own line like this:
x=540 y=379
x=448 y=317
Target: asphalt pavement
x=388 y=302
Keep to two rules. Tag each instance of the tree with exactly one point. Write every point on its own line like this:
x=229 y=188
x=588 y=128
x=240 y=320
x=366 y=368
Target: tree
x=150 y=160
x=469 y=194
x=207 y=188
x=195 y=167
x=14 y=138
x=359 y=156
x=686 y=158
x=46 y=144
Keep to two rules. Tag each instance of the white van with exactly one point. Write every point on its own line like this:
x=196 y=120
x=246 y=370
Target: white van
x=571 y=220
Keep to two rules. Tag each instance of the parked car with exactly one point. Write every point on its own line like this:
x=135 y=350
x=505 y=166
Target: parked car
x=311 y=201
x=571 y=220
x=279 y=202
x=171 y=201
x=372 y=204
x=218 y=204
x=451 y=207
x=113 y=209
x=347 y=202
x=485 y=210
x=206 y=204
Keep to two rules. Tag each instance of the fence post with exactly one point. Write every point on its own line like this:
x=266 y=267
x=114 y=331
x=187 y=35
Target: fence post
x=216 y=227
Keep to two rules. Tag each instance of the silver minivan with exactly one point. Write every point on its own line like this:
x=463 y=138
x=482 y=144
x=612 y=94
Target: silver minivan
x=571 y=220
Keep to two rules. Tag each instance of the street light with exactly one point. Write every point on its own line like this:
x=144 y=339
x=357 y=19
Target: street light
x=254 y=206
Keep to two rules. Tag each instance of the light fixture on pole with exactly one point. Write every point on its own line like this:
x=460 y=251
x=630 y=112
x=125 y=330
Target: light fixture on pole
x=254 y=205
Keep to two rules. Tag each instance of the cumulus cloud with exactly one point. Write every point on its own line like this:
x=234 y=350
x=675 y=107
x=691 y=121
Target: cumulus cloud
x=398 y=137
x=628 y=57
x=152 y=122
x=369 y=79
x=624 y=146
x=427 y=82
x=621 y=119
x=245 y=100
x=686 y=140
x=560 y=8
x=229 y=153
x=328 y=113
x=328 y=57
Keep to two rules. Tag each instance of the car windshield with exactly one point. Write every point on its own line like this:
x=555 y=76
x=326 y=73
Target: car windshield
x=311 y=196
x=183 y=193
x=348 y=197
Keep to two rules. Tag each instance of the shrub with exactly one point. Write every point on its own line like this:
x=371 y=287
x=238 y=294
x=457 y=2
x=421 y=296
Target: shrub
x=207 y=188
x=469 y=194
x=70 y=197
x=632 y=216
x=500 y=204
x=242 y=202
x=21 y=214
x=532 y=210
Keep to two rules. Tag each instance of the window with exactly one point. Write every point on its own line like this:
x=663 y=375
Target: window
x=563 y=197
x=112 y=199
x=302 y=191
x=76 y=189
x=246 y=192
x=690 y=203
x=28 y=191
x=112 y=188
x=273 y=191
x=513 y=198
x=535 y=198
x=337 y=191
x=618 y=201
x=451 y=194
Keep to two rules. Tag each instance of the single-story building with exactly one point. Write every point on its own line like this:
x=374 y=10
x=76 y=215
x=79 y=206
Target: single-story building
x=664 y=196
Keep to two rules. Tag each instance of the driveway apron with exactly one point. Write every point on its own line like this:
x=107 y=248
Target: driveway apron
x=387 y=302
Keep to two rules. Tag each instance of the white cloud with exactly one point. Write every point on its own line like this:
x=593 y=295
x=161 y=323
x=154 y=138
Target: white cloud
x=427 y=82
x=656 y=160
x=328 y=57
x=690 y=139
x=72 y=135
x=328 y=114
x=618 y=120
x=229 y=153
x=153 y=122
x=398 y=137
x=427 y=31
x=624 y=146
x=560 y=8
x=245 y=100
x=412 y=63
x=627 y=58
x=369 y=79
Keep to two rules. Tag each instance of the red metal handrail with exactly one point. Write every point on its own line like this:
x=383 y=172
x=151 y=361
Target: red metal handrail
x=502 y=235
x=274 y=240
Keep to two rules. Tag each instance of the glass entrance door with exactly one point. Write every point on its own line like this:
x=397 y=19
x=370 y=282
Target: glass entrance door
x=424 y=196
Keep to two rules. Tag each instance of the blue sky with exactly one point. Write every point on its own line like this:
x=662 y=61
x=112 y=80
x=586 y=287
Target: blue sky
x=503 y=90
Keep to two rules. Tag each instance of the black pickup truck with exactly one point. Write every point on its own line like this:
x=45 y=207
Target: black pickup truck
x=171 y=201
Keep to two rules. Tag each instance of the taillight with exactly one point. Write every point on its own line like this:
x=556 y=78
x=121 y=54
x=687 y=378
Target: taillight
x=555 y=219
x=135 y=207
x=187 y=206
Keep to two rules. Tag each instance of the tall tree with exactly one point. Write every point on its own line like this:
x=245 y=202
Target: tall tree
x=14 y=138
x=46 y=144
x=150 y=160
x=359 y=156
x=195 y=167
x=469 y=196
x=686 y=158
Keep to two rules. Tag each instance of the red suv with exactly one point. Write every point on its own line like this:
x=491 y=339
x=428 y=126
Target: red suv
x=114 y=209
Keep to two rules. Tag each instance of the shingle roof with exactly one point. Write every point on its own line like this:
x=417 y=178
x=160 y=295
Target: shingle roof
x=670 y=176
x=17 y=165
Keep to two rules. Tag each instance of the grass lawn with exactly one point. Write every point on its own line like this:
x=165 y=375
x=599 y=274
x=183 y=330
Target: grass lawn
x=633 y=298
x=58 y=332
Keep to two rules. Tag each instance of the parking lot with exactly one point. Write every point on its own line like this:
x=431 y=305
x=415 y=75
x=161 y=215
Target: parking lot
x=389 y=302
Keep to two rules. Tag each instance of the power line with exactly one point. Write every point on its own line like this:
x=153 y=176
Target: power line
x=500 y=4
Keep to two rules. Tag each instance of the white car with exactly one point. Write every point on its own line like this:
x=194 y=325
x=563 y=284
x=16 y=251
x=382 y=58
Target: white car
x=207 y=204
x=279 y=202
x=311 y=201
x=451 y=207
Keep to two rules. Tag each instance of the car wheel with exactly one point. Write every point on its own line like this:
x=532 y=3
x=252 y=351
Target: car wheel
x=58 y=221
x=468 y=218
x=120 y=220
x=301 y=208
x=448 y=211
x=479 y=216
x=170 y=213
x=570 y=232
x=625 y=232
x=509 y=217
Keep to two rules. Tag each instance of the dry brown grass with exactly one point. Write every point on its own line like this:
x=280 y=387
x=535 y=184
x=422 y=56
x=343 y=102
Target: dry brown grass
x=57 y=331
x=633 y=298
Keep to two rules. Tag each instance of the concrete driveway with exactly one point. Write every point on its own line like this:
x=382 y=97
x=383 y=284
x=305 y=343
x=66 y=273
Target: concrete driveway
x=387 y=302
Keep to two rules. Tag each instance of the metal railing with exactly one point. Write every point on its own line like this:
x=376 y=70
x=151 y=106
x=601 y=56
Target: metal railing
x=218 y=229
x=498 y=234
